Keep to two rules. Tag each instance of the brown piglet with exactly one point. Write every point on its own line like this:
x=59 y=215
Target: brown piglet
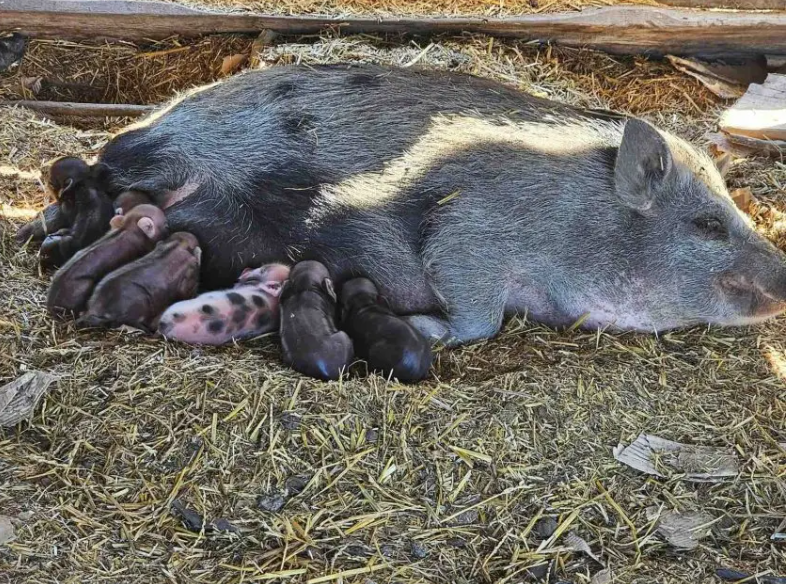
x=139 y=292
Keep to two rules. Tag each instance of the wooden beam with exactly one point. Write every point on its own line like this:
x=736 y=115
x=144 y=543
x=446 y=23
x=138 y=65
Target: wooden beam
x=619 y=29
x=82 y=110
x=728 y=4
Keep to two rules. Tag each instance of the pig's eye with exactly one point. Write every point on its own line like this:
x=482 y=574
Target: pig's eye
x=710 y=226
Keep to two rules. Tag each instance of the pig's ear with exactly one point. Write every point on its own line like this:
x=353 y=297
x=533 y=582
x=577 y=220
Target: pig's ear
x=327 y=283
x=117 y=221
x=644 y=161
x=147 y=226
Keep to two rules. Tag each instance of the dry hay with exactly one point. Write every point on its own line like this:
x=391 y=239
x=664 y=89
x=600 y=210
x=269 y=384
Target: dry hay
x=446 y=481
x=116 y=73
x=397 y=8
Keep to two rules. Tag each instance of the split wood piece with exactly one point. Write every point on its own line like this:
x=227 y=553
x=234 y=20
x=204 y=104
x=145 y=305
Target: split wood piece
x=617 y=29
x=743 y=198
x=727 y=80
x=743 y=147
x=19 y=398
x=81 y=110
x=760 y=113
x=660 y=457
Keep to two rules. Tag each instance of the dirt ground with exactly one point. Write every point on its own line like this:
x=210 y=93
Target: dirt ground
x=458 y=479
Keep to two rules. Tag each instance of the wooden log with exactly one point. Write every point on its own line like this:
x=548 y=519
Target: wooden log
x=619 y=29
x=82 y=110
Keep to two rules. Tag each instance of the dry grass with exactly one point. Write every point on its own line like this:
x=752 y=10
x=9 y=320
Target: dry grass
x=435 y=8
x=446 y=481
x=116 y=73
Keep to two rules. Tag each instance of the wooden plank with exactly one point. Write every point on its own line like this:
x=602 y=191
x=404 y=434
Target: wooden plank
x=82 y=110
x=728 y=4
x=619 y=29
x=760 y=113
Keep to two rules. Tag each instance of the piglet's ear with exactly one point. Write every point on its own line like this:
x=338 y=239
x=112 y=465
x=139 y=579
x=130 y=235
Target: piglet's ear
x=117 y=221
x=66 y=188
x=327 y=284
x=100 y=172
x=147 y=226
x=246 y=271
x=198 y=255
x=284 y=287
x=644 y=162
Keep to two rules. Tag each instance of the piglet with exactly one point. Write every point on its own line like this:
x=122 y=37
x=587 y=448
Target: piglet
x=84 y=207
x=387 y=342
x=131 y=236
x=310 y=341
x=139 y=292
x=216 y=318
x=127 y=200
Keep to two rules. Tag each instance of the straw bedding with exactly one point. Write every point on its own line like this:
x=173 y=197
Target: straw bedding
x=458 y=479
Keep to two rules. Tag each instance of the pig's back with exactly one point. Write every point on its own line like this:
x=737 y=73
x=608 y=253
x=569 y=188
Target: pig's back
x=330 y=122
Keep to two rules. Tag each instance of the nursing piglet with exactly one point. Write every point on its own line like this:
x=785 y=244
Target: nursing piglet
x=131 y=236
x=387 y=342
x=216 y=318
x=139 y=292
x=310 y=341
x=85 y=209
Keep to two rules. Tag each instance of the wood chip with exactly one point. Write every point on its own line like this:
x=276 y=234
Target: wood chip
x=6 y=530
x=683 y=530
x=657 y=456
x=232 y=63
x=743 y=198
x=722 y=143
x=19 y=398
x=743 y=147
x=760 y=113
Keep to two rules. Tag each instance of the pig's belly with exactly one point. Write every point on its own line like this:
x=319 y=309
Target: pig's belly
x=349 y=247
x=592 y=311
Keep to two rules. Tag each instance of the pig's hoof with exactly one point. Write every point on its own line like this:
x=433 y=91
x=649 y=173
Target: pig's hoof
x=435 y=329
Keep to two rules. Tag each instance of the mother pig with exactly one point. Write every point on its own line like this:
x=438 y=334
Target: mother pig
x=462 y=199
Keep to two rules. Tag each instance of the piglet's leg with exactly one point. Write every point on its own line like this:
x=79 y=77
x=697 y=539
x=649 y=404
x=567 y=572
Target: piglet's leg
x=49 y=221
x=57 y=249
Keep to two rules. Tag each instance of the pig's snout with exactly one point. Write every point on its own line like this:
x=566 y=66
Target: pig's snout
x=760 y=278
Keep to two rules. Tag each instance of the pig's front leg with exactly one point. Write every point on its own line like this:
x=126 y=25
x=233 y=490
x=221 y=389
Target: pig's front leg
x=456 y=331
x=475 y=307
x=436 y=329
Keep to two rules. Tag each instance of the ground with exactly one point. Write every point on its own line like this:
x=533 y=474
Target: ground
x=367 y=480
